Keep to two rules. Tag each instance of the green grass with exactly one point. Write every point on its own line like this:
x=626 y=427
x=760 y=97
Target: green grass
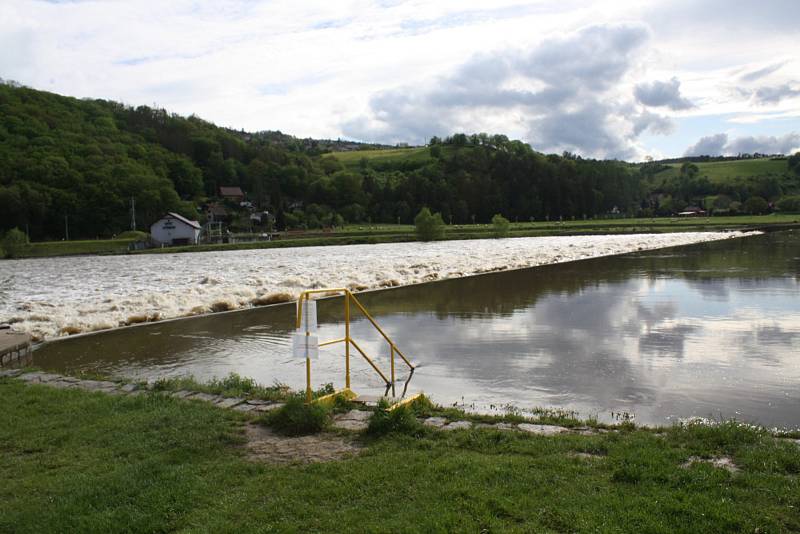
x=723 y=171
x=73 y=461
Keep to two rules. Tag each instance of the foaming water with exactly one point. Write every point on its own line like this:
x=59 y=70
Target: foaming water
x=54 y=297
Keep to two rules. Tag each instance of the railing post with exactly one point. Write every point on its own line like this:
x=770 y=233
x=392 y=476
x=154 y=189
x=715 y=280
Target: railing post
x=347 y=339
x=308 y=360
x=391 y=349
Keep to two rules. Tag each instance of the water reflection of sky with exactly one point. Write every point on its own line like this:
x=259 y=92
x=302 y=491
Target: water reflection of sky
x=718 y=337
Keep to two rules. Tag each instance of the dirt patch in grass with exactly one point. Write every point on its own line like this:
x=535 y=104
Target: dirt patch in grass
x=720 y=462
x=264 y=445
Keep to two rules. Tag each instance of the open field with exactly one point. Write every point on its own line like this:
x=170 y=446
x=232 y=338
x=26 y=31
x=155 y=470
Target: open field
x=90 y=462
x=355 y=234
x=723 y=171
x=411 y=155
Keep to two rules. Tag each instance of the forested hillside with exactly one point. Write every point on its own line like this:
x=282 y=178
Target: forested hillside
x=82 y=161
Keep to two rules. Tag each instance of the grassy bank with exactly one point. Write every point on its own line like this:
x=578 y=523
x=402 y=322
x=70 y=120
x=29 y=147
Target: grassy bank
x=45 y=249
x=395 y=233
x=77 y=461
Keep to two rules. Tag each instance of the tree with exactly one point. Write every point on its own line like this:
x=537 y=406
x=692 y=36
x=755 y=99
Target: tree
x=429 y=226
x=789 y=204
x=500 y=226
x=755 y=206
x=13 y=242
x=794 y=162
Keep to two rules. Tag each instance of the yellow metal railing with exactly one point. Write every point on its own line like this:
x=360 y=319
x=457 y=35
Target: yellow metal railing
x=349 y=298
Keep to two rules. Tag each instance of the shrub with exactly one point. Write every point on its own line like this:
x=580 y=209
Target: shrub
x=401 y=420
x=296 y=418
x=13 y=242
x=429 y=226
x=500 y=226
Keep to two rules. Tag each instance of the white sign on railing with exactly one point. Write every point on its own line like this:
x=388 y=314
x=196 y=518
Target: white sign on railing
x=305 y=346
x=308 y=316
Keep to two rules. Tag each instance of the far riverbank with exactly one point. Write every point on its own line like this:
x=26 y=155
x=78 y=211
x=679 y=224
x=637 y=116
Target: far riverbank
x=365 y=234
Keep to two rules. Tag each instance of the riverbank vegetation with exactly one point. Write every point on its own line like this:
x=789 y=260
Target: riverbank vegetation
x=78 y=461
x=75 y=169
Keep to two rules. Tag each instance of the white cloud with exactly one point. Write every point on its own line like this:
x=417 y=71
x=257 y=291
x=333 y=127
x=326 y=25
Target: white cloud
x=317 y=68
x=565 y=91
x=666 y=94
x=720 y=144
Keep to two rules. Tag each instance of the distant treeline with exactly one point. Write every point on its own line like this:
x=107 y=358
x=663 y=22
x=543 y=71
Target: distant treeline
x=65 y=161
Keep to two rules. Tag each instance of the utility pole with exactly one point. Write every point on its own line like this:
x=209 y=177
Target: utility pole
x=66 y=226
x=133 y=214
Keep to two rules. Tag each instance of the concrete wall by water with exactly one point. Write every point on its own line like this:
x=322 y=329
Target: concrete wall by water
x=15 y=349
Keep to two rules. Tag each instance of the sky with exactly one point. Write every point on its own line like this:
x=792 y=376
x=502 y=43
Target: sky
x=606 y=79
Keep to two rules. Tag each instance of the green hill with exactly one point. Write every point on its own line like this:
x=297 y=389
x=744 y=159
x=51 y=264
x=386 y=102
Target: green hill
x=79 y=163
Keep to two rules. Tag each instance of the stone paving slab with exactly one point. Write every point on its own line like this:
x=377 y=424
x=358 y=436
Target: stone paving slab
x=128 y=388
x=435 y=422
x=206 y=397
x=229 y=402
x=458 y=425
x=354 y=420
x=258 y=402
x=11 y=373
x=37 y=377
x=182 y=394
x=97 y=385
x=63 y=384
x=354 y=415
x=69 y=379
x=542 y=430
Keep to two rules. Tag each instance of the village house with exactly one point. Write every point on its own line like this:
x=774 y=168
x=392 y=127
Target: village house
x=217 y=213
x=233 y=193
x=173 y=229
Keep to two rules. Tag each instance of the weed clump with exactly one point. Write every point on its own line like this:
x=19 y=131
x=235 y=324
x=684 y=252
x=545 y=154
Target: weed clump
x=296 y=418
x=401 y=420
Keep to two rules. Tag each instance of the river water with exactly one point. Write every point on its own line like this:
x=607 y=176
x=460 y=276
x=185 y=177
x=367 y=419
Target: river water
x=709 y=330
